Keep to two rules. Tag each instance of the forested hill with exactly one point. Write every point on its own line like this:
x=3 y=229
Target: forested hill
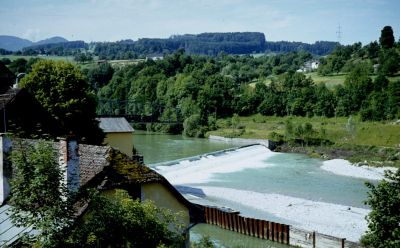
x=205 y=44
x=208 y=44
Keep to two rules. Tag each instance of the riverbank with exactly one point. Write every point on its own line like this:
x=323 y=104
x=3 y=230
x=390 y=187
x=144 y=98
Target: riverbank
x=336 y=162
x=371 y=143
x=327 y=218
x=371 y=156
x=345 y=168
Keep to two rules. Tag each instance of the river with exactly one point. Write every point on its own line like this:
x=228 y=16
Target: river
x=282 y=187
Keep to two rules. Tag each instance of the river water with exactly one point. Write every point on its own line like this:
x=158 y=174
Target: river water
x=280 y=187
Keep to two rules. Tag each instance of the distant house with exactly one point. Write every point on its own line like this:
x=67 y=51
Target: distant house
x=119 y=133
x=106 y=169
x=314 y=65
x=309 y=66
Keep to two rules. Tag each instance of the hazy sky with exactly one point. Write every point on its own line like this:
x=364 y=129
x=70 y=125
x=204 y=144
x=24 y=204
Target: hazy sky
x=110 y=20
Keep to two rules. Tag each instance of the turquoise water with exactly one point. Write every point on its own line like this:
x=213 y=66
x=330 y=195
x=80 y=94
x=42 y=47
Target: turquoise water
x=299 y=176
x=294 y=175
x=163 y=147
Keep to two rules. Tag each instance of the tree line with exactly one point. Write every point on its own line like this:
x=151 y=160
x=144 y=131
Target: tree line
x=196 y=90
x=206 y=43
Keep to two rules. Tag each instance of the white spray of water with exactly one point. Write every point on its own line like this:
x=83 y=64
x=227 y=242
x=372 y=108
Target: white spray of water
x=202 y=170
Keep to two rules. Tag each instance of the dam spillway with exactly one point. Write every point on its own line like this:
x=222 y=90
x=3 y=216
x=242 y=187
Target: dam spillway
x=287 y=188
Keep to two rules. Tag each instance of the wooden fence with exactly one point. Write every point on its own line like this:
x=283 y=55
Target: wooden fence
x=253 y=227
x=269 y=230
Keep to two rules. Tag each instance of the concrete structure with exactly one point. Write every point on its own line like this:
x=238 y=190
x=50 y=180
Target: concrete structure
x=119 y=133
x=240 y=141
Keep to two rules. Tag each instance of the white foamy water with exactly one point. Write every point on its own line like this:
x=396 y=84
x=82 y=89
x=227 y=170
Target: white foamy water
x=264 y=189
x=345 y=168
x=332 y=219
x=202 y=170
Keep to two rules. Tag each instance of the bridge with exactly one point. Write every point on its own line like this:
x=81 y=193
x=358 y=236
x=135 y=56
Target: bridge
x=136 y=112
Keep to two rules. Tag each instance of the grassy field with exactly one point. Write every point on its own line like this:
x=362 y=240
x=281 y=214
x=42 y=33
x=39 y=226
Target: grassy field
x=14 y=57
x=371 y=143
x=330 y=81
x=383 y=134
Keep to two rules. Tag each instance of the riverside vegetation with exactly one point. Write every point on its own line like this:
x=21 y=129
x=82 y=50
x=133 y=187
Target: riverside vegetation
x=206 y=93
x=238 y=96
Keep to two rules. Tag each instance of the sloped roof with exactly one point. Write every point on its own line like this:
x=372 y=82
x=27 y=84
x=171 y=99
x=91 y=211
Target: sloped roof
x=115 y=125
x=92 y=160
x=7 y=97
x=9 y=233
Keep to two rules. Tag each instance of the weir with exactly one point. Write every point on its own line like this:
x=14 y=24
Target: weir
x=191 y=175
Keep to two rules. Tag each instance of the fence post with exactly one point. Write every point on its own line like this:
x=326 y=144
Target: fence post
x=313 y=237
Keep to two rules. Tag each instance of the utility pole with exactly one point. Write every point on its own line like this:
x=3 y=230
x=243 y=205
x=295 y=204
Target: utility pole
x=339 y=33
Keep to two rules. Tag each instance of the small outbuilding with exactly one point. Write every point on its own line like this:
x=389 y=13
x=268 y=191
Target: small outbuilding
x=119 y=133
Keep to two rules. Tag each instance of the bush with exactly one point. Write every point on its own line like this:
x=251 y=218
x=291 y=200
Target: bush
x=192 y=126
x=384 y=219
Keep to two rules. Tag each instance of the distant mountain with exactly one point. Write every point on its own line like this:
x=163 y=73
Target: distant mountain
x=13 y=43
x=52 y=40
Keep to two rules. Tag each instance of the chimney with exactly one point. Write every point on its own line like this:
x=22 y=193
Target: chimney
x=5 y=167
x=69 y=163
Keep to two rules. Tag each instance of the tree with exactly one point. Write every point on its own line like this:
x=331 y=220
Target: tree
x=192 y=126
x=18 y=65
x=39 y=199
x=351 y=126
x=387 y=39
x=235 y=121
x=62 y=91
x=389 y=62
x=99 y=75
x=384 y=218
x=119 y=221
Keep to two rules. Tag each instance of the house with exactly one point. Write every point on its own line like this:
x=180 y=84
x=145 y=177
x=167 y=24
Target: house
x=119 y=133
x=21 y=113
x=6 y=78
x=102 y=167
x=314 y=65
x=309 y=66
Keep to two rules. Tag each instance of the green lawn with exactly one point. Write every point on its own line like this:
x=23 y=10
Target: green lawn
x=330 y=81
x=385 y=134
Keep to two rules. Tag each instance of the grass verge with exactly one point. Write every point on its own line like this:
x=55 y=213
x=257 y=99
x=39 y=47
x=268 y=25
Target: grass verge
x=373 y=143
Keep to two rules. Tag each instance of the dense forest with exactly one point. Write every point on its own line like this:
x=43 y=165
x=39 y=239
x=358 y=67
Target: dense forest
x=206 y=44
x=59 y=49
x=196 y=90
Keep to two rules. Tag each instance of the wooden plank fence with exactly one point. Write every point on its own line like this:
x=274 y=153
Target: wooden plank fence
x=273 y=231
x=252 y=227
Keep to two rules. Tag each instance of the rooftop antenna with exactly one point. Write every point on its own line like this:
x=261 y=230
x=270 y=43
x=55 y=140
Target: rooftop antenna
x=339 y=33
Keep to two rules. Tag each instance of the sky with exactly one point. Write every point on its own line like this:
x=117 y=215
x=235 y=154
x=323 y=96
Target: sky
x=112 y=20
